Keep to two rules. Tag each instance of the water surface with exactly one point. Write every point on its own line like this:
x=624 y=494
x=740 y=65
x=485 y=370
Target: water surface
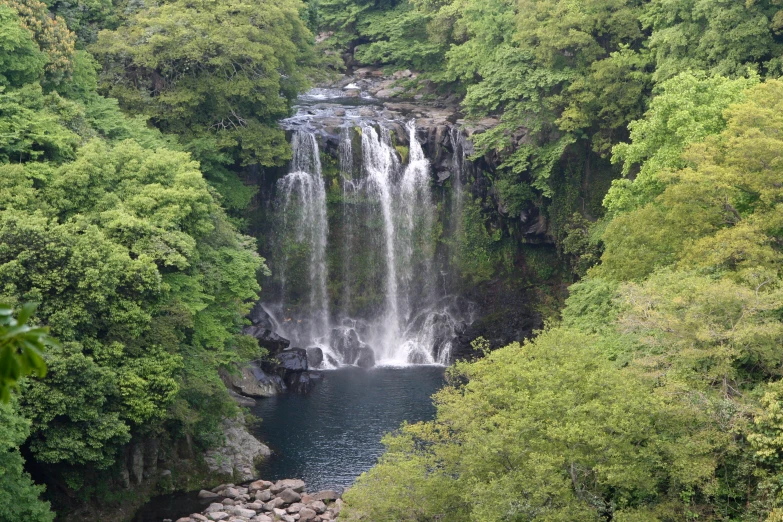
x=331 y=436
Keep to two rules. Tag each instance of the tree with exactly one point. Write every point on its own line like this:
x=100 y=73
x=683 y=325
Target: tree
x=218 y=73
x=19 y=497
x=686 y=109
x=550 y=430
x=21 y=348
x=720 y=37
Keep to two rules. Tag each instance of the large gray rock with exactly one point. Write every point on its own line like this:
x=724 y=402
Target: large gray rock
x=302 y=382
x=294 y=484
x=296 y=507
x=252 y=381
x=218 y=515
x=214 y=507
x=204 y=494
x=239 y=453
x=307 y=514
x=352 y=350
x=317 y=506
x=242 y=512
x=267 y=338
x=327 y=494
x=259 y=485
x=292 y=360
x=289 y=496
x=264 y=495
x=315 y=356
x=274 y=504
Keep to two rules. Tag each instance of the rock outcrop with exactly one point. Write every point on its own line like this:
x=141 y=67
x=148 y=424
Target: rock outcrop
x=239 y=454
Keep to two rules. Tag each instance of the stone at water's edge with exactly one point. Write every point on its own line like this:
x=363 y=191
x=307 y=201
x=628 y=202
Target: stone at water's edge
x=252 y=381
x=238 y=456
x=292 y=360
x=289 y=502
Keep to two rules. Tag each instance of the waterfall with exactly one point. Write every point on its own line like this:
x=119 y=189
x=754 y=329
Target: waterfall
x=304 y=211
x=381 y=164
x=382 y=304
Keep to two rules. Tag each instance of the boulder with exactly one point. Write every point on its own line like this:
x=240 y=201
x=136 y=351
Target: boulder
x=204 y=494
x=264 y=496
x=292 y=360
x=295 y=507
x=198 y=517
x=218 y=515
x=231 y=493
x=279 y=512
x=327 y=494
x=243 y=512
x=363 y=72
x=293 y=484
x=238 y=454
x=247 y=402
x=228 y=502
x=214 y=507
x=267 y=338
x=252 y=381
x=351 y=350
x=301 y=382
x=255 y=506
x=317 y=506
x=388 y=93
x=307 y=498
x=289 y=496
x=259 y=485
x=307 y=514
x=274 y=504
x=185 y=519
x=262 y=518
x=315 y=356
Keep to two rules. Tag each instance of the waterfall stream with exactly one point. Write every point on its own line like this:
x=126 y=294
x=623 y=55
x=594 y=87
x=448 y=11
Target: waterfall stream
x=356 y=243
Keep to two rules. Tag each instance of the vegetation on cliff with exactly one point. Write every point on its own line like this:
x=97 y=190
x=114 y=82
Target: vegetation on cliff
x=656 y=394
x=645 y=134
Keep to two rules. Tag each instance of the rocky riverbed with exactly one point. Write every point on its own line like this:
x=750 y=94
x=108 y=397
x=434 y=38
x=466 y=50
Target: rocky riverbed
x=264 y=501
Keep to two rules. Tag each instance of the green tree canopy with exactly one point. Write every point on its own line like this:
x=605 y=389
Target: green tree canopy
x=218 y=73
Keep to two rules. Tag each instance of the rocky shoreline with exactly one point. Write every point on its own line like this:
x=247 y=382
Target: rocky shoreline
x=264 y=501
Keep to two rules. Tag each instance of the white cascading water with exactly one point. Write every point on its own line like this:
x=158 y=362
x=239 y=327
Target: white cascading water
x=304 y=188
x=414 y=325
x=381 y=164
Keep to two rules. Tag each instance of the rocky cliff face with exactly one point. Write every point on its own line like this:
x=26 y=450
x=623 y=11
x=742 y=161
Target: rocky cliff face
x=353 y=293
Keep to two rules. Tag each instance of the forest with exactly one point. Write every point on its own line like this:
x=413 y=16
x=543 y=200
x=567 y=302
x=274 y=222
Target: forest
x=647 y=133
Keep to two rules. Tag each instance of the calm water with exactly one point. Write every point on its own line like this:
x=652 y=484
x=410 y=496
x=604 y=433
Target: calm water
x=330 y=436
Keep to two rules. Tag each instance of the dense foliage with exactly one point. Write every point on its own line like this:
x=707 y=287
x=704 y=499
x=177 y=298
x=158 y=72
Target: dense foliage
x=655 y=395
x=644 y=136
x=112 y=228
